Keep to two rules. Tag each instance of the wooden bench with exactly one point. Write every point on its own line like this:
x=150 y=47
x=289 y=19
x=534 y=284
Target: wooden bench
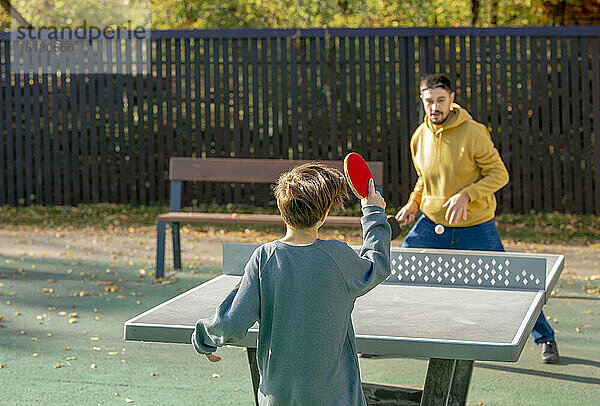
x=232 y=170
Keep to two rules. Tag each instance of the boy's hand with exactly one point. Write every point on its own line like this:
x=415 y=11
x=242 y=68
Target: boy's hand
x=212 y=357
x=373 y=197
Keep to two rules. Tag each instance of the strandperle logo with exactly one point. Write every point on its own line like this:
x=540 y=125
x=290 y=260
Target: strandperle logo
x=82 y=37
x=82 y=33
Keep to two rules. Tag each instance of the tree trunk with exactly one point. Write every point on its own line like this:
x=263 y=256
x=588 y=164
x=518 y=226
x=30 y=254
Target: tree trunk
x=474 y=12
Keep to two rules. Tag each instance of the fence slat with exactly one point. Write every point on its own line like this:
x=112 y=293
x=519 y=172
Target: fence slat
x=161 y=159
x=545 y=97
x=352 y=82
x=362 y=114
x=95 y=178
x=4 y=124
x=304 y=98
x=141 y=133
x=595 y=50
x=525 y=159
x=575 y=102
x=150 y=119
x=82 y=133
x=226 y=125
x=516 y=141
x=113 y=179
x=395 y=184
x=29 y=138
x=565 y=143
x=587 y=129
x=504 y=124
x=9 y=119
x=536 y=140
x=333 y=104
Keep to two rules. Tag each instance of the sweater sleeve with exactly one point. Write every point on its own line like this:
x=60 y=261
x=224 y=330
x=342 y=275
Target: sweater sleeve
x=493 y=172
x=235 y=315
x=371 y=266
x=417 y=192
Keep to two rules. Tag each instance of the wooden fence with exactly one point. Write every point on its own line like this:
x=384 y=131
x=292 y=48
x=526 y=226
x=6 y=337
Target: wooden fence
x=301 y=94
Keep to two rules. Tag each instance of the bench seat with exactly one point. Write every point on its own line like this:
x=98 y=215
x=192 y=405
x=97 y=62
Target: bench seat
x=235 y=218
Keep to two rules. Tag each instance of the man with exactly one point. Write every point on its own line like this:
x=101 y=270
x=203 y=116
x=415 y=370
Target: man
x=459 y=171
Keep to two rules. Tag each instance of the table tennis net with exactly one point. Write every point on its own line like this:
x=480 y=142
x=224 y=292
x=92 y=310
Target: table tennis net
x=480 y=269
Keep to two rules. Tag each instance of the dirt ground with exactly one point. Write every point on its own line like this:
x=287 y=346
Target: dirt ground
x=204 y=246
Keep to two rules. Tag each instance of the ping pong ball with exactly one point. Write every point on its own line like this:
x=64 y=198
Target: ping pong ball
x=439 y=229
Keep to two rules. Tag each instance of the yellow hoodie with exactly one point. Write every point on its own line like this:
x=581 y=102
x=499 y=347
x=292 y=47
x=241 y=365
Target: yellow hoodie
x=459 y=155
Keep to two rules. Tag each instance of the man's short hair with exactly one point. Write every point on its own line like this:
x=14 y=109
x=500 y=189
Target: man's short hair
x=435 y=81
x=306 y=192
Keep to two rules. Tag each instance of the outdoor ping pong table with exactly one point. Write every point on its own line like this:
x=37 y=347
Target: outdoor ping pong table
x=452 y=307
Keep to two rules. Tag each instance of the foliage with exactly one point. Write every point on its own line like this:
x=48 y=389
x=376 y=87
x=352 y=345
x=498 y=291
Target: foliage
x=201 y=14
x=536 y=227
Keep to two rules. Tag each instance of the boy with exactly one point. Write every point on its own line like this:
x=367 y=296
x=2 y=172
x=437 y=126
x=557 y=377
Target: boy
x=302 y=290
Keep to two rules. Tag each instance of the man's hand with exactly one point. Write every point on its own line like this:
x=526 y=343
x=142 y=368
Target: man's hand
x=456 y=207
x=408 y=212
x=373 y=197
x=213 y=357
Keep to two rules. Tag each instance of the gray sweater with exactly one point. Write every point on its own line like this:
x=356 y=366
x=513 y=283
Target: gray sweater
x=303 y=298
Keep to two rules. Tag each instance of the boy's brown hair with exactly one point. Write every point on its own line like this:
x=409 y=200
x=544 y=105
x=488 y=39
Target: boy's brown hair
x=306 y=192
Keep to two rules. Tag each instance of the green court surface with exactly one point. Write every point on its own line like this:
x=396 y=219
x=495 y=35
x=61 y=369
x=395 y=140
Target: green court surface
x=50 y=356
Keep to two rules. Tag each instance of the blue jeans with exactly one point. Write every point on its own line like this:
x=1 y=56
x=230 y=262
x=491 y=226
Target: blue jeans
x=481 y=237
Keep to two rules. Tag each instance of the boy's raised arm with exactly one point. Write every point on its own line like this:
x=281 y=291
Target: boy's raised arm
x=234 y=316
x=372 y=265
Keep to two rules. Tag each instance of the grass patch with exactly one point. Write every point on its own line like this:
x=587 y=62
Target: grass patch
x=545 y=228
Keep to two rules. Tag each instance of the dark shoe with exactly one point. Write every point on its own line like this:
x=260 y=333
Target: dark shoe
x=549 y=352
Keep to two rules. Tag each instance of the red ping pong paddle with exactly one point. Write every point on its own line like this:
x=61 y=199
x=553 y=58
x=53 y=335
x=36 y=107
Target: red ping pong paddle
x=357 y=174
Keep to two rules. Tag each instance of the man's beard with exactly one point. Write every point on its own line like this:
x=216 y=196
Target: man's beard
x=438 y=121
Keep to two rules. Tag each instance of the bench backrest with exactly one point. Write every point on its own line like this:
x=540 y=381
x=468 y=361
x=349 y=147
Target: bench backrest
x=245 y=170
x=240 y=170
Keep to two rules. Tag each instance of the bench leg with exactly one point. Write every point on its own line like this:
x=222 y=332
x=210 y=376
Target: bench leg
x=160 y=249
x=447 y=382
x=254 y=372
x=176 y=246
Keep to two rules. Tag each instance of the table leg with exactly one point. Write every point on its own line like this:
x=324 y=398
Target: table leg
x=460 y=382
x=253 y=371
x=447 y=382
